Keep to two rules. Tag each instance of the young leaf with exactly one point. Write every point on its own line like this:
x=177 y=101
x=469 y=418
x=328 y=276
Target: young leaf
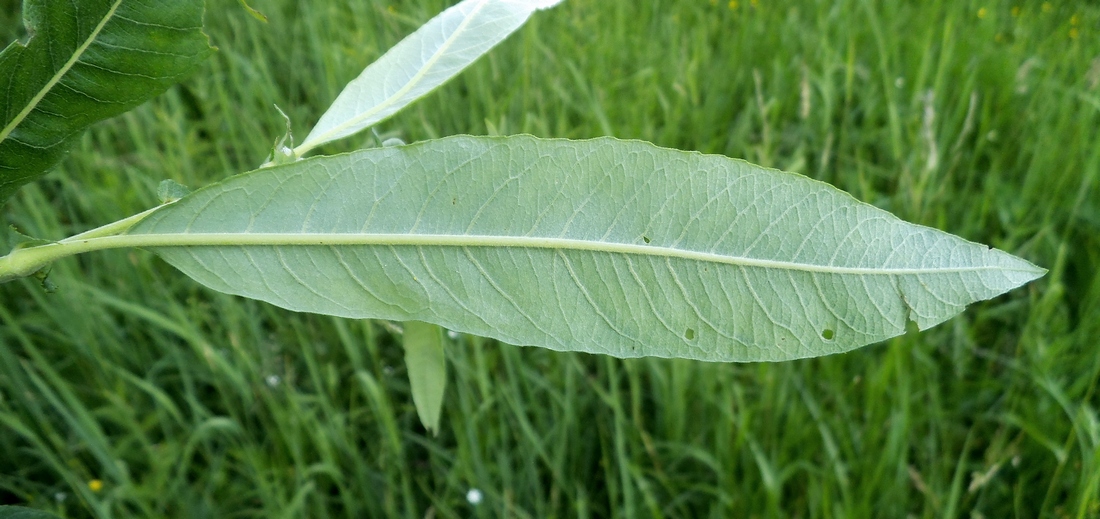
x=429 y=57
x=169 y=191
x=426 y=361
x=87 y=60
x=604 y=246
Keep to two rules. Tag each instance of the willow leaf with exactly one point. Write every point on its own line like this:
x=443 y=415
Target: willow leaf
x=435 y=53
x=604 y=246
x=85 y=61
x=426 y=362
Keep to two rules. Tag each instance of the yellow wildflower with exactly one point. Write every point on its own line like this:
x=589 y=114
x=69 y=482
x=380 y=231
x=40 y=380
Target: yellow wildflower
x=733 y=4
x=95 y=485
x=982 y=13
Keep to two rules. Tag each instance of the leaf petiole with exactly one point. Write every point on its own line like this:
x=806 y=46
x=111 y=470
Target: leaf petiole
x=28 y=261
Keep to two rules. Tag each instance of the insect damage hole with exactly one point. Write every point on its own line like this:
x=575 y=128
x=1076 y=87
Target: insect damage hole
x=828 y=334
x=689 y=334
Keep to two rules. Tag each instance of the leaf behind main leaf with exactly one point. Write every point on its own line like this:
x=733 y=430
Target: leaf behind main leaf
x=87 y=60
x=429 y=57
x=604 y=246
x=426 y=362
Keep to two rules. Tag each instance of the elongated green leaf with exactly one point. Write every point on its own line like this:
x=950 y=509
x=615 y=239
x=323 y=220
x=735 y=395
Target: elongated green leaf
x=604 y=246
x=426 y=361
x=435 y=53
x=87 y=60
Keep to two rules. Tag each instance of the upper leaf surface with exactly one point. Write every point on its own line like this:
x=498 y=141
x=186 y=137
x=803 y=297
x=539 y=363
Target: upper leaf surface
x=427 y=58
x=604 y=246
x=85 y=61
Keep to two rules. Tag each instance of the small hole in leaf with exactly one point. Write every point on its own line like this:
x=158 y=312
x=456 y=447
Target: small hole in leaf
x=689 y=334
x=645 y=239
x=828 y=334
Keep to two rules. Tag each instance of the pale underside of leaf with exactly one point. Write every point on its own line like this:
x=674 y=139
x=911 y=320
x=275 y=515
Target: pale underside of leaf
x=604 y=246
x=429 y=57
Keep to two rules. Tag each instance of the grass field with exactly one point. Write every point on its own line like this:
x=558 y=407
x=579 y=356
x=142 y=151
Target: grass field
x=134 y=392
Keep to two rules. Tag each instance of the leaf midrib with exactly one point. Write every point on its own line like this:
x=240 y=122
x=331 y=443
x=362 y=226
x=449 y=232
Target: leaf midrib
x=153 y=240
x=15 y=122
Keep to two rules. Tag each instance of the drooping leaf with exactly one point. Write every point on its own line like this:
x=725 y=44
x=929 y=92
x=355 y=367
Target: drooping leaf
x=426 y=59
x=85 y=61
x=604 y=246
x=426 y=362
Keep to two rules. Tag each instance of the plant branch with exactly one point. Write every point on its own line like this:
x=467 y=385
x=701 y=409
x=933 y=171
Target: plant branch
x=27 y=261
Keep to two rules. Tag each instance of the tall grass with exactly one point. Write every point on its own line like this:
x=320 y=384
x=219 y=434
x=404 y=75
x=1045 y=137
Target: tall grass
x=133 y=392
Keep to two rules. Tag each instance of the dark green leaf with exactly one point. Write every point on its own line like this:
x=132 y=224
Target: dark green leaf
x=85 y=61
